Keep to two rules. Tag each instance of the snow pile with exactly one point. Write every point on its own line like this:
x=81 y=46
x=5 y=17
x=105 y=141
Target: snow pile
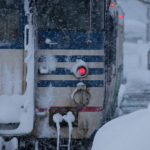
x=134 y=30
x=11 y=75
x=135 y=47
x=49 y=65
x=136 y=63
x=134 y=10
x=45 y=101
x=7 y=80
x=49 y=41
x=45 y=98
x=120 y=97
x=129 y=132
x=121 y=92
x=135 y=19
x=12 y=144
x=44 y=130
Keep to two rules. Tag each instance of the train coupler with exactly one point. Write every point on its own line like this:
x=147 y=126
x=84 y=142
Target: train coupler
x=81 y=95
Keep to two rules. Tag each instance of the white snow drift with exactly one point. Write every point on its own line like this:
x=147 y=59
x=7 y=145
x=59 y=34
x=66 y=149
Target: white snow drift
x=129 y=132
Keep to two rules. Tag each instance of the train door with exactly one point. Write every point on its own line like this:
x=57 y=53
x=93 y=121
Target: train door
x=16 y=92
x=71 y=65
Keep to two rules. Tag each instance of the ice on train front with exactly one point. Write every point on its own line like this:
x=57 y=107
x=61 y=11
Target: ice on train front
x=16 y=70
x=71 y=67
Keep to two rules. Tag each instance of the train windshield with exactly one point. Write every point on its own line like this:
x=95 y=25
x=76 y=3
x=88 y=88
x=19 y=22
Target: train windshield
x=9 y=20
x=71 y=15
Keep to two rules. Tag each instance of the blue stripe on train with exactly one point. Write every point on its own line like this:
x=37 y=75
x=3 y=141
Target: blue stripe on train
x=63 y=58
x=12 y=45
x=76 y=40
x=64 y=71
x=69 y=83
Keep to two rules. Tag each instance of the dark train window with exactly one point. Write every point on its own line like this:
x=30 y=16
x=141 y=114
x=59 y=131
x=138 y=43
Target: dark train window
x=9 y=20
x=73 y=15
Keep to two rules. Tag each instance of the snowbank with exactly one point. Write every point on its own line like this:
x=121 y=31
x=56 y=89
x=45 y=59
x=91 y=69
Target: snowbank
x=135 y=47
x=135 y=65
x=129 y=132
x=134 y=10
x=134 y=30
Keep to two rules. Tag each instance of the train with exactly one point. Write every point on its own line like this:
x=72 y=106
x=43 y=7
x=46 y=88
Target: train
x=61 y=65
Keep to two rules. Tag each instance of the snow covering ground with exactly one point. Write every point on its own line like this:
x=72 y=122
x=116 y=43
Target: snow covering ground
x=129 y=132
x=132 y=131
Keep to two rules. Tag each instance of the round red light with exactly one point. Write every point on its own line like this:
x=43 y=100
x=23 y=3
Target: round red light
x=82 y=71
x=121 y=16
x=112 y=5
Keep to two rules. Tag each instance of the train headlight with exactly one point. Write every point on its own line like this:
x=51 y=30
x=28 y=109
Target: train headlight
x=80 y=69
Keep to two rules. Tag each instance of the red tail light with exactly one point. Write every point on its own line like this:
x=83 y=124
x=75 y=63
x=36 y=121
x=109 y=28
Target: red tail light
x=121 y=16
x=82 y=71
x=112 y=5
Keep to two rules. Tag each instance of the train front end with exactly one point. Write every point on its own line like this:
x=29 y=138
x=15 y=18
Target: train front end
x=70 y=68
x=60 y=71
